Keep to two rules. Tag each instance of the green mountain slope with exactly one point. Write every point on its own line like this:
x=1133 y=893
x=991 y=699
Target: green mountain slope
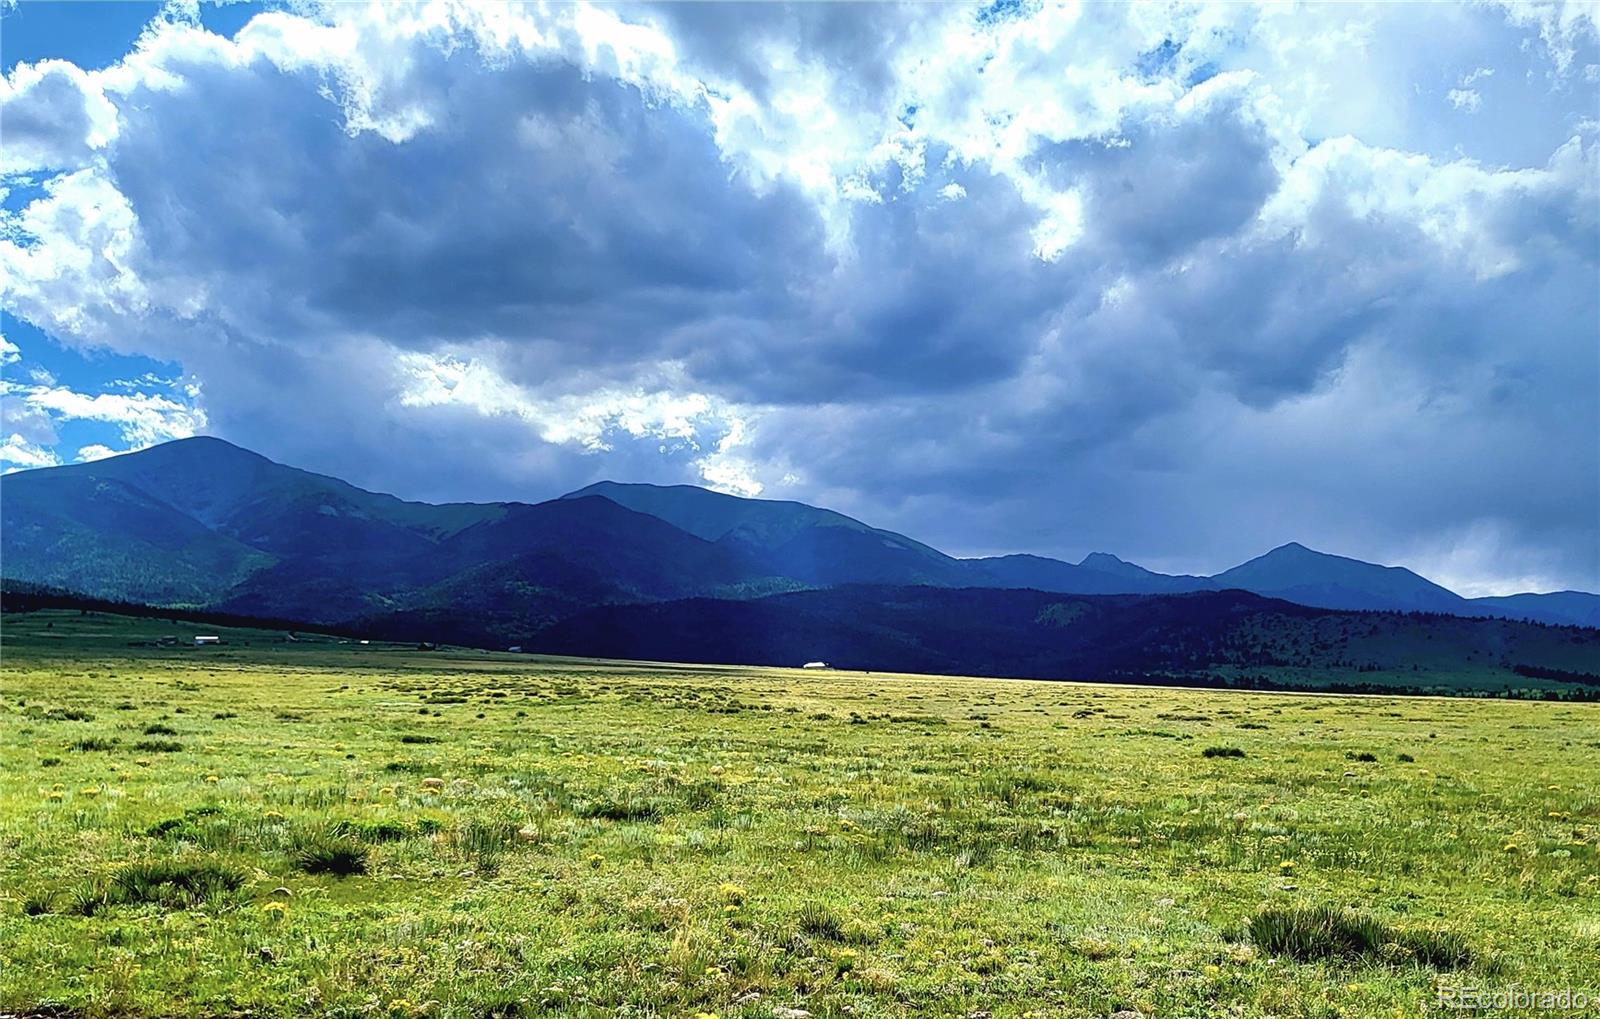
x=101 y=535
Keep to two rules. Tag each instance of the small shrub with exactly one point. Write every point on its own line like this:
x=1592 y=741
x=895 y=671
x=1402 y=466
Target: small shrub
x=49 y=762
x=94 y=743
x=1404 y=758
x=158 y=746
x=1365 y=756
x=412 y=737
x=1222 y=752
x=38 y=904
x=159 y=729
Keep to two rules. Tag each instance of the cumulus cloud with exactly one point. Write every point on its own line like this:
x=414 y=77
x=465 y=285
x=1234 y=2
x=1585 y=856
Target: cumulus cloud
x=30 y=413
x=1175 y=281
x=709 y=430
x=17 y=453
x=56 y=117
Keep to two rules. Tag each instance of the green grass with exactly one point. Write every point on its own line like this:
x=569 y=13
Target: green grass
x=350 y=830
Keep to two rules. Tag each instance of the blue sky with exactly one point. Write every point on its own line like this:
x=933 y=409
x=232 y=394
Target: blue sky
x=1177 y=281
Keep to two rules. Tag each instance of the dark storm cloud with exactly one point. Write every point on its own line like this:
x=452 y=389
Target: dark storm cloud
x=537 y=204
x=1156 y=189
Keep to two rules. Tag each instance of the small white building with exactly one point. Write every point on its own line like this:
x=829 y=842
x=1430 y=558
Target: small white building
x=202 y=641
x=816 y=665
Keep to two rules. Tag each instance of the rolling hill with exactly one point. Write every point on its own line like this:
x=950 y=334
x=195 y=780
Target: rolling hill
x=1215 y=637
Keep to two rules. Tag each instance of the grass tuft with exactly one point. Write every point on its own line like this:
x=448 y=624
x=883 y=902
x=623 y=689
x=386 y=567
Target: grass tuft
x=331 y=852
x=174 y=883
x=1325 y=932
x=819 y=921
x=171 y=884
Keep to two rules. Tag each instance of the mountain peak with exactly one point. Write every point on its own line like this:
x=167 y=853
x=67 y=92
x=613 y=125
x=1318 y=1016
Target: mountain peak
x=1101 y=560
x=1296 y=548
x=1304 y=575
x=1105 y=562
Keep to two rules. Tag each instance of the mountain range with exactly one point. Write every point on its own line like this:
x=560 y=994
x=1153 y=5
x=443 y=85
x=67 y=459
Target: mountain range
x=201 y=523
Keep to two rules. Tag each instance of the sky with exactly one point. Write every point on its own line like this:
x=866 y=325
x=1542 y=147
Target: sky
x=1181 y=282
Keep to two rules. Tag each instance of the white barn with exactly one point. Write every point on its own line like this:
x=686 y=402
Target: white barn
x=816 y=665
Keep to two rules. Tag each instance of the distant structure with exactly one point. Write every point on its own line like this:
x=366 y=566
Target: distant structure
x=202 y=641
x=515 y=649
x=816 y=665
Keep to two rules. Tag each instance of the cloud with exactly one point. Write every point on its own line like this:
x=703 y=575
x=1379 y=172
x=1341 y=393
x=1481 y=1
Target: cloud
x=708 y=430
x=1178 y=281
x=17 y=453
x=56 y=118
x=141 y=418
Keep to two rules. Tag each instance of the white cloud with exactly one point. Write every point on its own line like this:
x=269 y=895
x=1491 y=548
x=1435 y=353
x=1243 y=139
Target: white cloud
x=709 y=429
x=68 y=260
x=95 y=451
x=1465 y=99
x=17 y=453
x=142 y=419
x=56 y=117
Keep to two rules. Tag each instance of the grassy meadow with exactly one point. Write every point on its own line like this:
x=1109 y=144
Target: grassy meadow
x=311 y=828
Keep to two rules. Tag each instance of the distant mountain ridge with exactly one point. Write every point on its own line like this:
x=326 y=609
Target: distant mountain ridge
x=203 y=523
